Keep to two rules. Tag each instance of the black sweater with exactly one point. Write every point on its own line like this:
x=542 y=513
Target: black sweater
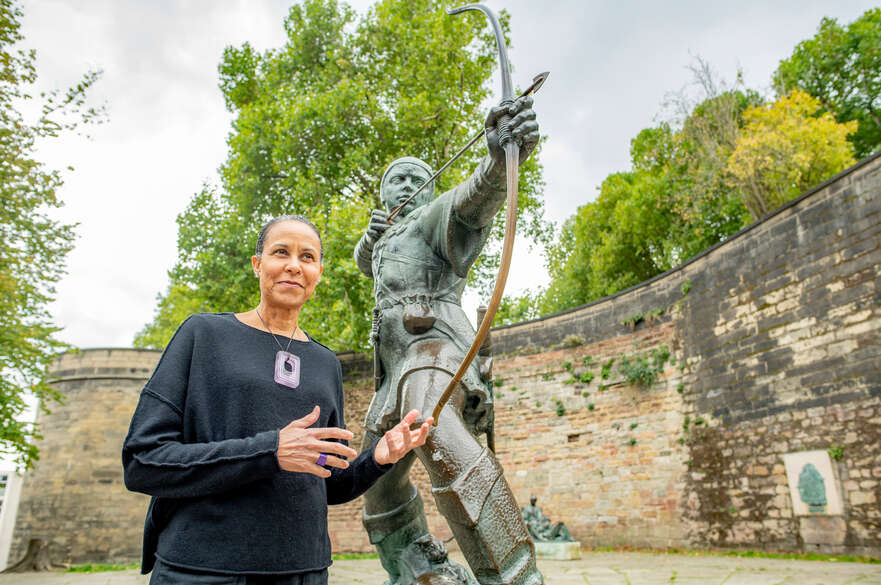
x=202 y=442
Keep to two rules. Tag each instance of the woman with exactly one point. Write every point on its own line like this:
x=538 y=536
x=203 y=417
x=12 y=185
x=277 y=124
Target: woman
x=232 y=494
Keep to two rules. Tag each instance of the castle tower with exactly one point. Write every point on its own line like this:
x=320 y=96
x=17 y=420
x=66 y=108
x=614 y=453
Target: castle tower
x=75 y=497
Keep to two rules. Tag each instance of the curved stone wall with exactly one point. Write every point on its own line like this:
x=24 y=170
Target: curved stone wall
x=774 y=354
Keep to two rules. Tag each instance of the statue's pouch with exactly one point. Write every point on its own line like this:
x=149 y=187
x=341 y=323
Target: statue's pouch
x=418 y=317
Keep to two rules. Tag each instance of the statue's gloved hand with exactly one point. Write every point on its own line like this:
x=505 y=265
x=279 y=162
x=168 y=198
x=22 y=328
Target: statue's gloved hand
x=523 y=126
x=378 y=224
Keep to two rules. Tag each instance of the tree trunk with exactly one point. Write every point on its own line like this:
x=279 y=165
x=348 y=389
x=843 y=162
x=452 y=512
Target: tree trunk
x=35 y=559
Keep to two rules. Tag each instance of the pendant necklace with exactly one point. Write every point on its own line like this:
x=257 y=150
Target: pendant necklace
x=287 y=365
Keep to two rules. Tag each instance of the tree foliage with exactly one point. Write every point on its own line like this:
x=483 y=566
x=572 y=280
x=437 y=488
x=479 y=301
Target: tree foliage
x=785 y=149
x=674 y=202
x=839 y=66
x=720 y=161
x=33 y=246
x=316 y=123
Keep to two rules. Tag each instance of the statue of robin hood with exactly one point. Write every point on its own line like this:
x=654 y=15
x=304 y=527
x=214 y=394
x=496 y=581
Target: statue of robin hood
x=419 y=263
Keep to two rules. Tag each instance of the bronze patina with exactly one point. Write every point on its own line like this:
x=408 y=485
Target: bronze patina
x=421 y=339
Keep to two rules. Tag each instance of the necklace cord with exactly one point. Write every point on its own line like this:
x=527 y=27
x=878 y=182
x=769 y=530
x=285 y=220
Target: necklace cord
x=273 y=334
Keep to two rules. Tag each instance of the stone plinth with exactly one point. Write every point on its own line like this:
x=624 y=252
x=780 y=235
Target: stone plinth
x=559 y=551
x=822 y=530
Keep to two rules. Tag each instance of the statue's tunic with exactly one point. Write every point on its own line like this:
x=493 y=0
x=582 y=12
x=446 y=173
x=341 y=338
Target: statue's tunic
x=419 y=267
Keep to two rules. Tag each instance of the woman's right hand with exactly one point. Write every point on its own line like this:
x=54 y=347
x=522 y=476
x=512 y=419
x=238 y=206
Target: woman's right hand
x=299 y=447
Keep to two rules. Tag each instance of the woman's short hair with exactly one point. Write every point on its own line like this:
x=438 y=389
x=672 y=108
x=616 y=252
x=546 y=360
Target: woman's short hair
x=261 y=239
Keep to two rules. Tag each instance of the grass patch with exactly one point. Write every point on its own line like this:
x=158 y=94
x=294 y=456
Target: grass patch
x=747 y=554
x=836 y=452
x=102 y=567
x=353 y=556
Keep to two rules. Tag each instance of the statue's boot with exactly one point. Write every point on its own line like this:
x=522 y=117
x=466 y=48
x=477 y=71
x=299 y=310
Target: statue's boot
x=486 y=521
x=469 y=488
x=392 y=531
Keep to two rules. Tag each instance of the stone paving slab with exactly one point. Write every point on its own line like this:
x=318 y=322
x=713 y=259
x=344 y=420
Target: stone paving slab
x=594 y=568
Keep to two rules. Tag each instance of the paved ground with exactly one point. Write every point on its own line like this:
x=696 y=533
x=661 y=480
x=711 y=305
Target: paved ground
x=607 y=568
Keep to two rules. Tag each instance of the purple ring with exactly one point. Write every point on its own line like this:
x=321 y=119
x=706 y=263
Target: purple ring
x=322 y=459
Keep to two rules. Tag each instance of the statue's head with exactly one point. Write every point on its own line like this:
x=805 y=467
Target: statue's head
x=401 y=179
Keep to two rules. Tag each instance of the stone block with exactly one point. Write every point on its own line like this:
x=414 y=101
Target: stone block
x=822 y=529
x=862 y=498
x=558 y=551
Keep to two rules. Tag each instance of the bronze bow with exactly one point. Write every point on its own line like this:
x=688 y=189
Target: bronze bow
x=512 y=169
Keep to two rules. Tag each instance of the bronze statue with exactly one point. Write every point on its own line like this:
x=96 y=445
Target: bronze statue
x=419 y=264
x=540 y=527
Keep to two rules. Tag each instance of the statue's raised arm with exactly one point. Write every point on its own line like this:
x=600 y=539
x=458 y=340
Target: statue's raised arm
x=473 y=204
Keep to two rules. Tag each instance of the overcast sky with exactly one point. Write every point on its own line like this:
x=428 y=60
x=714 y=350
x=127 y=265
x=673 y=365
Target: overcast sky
x=611 y=63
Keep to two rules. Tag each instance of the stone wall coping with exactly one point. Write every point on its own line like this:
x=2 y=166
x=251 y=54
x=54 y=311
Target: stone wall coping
x=783 y=208
x=91 y=349
x=90 y=378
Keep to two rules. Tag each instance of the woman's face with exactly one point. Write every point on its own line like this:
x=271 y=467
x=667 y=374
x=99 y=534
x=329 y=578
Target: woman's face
x=290 y=266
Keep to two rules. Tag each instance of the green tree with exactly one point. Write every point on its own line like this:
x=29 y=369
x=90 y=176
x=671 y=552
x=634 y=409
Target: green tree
x=33 y=246
x=519 y=308
x=839 y=66
x=674 y=203
x=610 y=244
x=694 y=161
x=785 y=149
x=316 y=123
x=722 y=161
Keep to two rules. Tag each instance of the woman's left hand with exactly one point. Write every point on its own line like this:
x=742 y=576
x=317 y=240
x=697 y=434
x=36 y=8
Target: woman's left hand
x=400 y=440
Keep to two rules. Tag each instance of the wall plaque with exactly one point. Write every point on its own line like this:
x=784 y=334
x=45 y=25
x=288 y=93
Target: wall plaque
x=812 y=484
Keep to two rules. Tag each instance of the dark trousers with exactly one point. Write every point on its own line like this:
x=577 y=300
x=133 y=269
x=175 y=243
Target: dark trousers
x=164 y=574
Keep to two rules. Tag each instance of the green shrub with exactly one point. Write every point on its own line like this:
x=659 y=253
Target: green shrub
x=607 y=369
x=586 y=377
x=643 y=370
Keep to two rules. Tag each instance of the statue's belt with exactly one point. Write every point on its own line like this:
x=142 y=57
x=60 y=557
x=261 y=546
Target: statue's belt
x=426 y=298
x=417 y=315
